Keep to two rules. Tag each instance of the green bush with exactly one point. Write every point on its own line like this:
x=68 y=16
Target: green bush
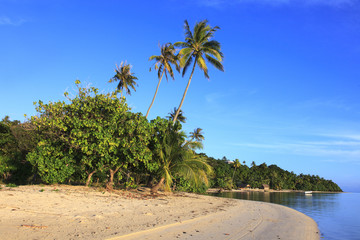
x=53 y=164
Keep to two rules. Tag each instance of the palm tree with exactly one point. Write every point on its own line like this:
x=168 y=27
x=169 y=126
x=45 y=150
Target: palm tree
x=177 y=160
x=236 y=164
x=163 y=65
x=198 y=136
x=180 y=117
x=197 y=45
x=125 y=77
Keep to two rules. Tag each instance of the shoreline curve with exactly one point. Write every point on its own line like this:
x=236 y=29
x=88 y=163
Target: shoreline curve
x=77 y=212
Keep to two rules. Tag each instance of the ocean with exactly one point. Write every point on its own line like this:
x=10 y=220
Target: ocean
x=337 y=214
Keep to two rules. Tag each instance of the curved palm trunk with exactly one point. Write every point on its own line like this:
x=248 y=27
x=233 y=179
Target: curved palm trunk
x=157 y=88
x=186 y=89
x=155 y=188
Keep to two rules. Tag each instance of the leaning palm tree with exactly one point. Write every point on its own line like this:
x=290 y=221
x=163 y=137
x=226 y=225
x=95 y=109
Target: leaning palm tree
x=177 y=160
x=163 y=65
x=197 y=45
x=125 y=77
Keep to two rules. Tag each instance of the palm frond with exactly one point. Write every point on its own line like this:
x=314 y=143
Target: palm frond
x=188 y=33
x=199 y=30
x=202 y=65
x=217 y=54
x=217 y=64
x=186 y=65
x=181 y=44
x=212 y=44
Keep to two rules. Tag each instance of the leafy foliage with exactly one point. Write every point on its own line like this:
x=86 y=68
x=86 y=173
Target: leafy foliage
x=98 y=131
x=53 y=163
x=16 y=140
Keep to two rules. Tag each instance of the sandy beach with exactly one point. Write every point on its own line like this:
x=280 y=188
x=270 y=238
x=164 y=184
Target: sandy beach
x=77 y=212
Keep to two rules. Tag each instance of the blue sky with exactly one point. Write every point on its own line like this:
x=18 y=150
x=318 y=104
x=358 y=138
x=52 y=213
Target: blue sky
x=289 y=94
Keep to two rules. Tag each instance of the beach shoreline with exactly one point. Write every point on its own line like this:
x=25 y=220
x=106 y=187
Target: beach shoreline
x=217 y=190
x=78 y=212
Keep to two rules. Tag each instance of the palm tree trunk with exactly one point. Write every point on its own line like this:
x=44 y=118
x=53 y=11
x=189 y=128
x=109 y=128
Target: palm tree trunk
x=186 y=89
x=234 y=175
x=157 y=88
x=155 y=188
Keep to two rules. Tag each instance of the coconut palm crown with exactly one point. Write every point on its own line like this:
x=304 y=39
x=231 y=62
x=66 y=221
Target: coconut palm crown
x=180 y=117
x=163 y=64
x=197 y=47
x=125 y=77
x=197 y=134
x=195 y=139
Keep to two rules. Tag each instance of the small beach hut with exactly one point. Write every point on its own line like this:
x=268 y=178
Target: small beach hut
x=266 y=187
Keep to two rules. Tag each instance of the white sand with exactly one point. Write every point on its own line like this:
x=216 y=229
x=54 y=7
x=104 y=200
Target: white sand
x=68 y=212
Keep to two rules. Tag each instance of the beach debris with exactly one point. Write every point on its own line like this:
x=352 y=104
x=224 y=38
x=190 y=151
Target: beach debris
x=33 y=226
x=226 y=234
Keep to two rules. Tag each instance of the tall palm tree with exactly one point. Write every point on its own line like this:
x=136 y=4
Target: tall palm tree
x=180 y=117
x=163 y=65
x=125 y=77
x=236 y=164
x=197 y=45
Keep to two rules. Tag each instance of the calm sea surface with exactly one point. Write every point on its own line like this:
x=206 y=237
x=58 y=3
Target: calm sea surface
x=337 y=214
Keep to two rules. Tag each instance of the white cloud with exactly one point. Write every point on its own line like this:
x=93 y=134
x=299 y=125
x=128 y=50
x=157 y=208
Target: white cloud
x=7 y=21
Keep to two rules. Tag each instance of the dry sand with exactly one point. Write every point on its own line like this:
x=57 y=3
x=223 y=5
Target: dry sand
x=69 y=212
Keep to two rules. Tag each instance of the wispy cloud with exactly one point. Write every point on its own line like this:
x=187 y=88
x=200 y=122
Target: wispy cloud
x=7 y=21
x=222 y=3
x=338 y=104
x=340 y=148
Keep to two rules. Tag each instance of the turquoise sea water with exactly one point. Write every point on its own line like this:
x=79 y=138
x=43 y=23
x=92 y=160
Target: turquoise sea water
x=337 y=214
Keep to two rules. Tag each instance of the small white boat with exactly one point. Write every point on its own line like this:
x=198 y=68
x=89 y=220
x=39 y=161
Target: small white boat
x=308 y=192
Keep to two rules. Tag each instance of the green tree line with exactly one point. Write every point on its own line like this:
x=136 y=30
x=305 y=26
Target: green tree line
x=233 y=174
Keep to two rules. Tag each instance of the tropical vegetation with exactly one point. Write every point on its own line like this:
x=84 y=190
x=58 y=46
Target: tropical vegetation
x=95 y=138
